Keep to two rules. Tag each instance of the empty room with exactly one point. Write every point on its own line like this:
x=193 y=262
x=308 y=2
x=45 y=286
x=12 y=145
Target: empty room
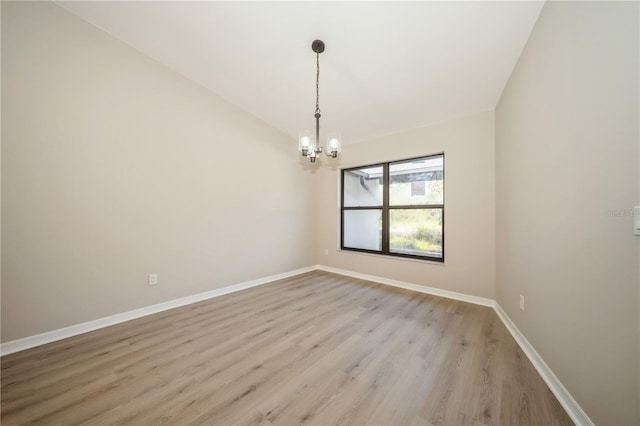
x=287 y=213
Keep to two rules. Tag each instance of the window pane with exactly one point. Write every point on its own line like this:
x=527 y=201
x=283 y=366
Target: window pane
x=416 y=231
x=416 y=182
x=363 y=229
x=363 y=187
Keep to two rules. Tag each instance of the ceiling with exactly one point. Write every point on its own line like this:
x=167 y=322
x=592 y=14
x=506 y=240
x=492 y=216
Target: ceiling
x=387 y=67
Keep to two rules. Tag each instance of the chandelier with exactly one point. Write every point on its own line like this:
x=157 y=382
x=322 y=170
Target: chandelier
x=307 y=145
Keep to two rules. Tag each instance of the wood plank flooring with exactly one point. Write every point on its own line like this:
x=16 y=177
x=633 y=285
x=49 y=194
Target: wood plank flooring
x=317 y=348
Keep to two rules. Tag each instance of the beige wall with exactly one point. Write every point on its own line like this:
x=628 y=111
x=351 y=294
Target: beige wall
x=114 y=166
x=566 y=156
x=468 y=144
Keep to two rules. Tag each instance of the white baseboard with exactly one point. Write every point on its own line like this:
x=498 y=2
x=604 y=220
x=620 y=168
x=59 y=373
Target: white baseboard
x=571 y=406
x=74 y=330
x=410 y=286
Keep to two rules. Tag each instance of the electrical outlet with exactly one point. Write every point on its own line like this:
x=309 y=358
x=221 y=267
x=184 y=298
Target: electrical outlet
x=326 y=252
x=522 y=302
x=153 y=279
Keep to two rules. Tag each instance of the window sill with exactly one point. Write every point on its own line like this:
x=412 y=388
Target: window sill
x=385 y=256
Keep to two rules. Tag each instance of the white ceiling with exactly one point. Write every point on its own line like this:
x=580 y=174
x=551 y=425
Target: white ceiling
x=388 y=66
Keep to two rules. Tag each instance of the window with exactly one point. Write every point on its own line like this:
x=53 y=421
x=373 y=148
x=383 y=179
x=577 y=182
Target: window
x=395 y=208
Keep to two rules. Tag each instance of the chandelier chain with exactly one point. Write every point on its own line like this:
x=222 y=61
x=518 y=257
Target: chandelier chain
x=317 y=83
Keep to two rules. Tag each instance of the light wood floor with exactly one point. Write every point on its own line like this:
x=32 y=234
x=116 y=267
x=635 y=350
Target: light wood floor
x=317 y=348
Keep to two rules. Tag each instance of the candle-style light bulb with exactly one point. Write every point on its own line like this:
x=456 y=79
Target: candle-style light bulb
x=333 y=145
